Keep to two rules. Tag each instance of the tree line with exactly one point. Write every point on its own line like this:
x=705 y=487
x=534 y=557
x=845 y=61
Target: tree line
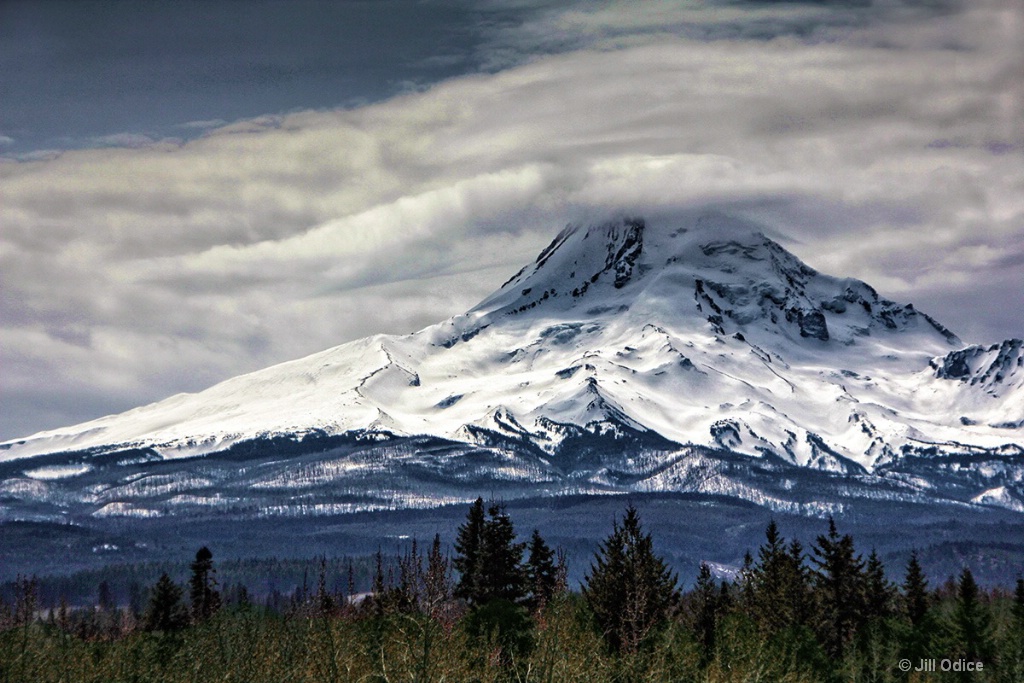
x=495 y=608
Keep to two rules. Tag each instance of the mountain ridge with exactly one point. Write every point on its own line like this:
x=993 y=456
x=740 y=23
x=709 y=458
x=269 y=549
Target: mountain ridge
x=621 y=340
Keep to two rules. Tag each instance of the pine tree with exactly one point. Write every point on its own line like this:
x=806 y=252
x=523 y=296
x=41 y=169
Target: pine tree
x=916 y=601
x=798 y=586
x=1011 y=659
x=972 y=621
x=778 y=584
x=468 y=551
x=629 y=589
x=915 y=592
x=880 y=594
x=541 y=571
x=502 y=576
x=745 y=584
x=488 y=558
x=166 y=612
x=381 y=588
x=706 y=610
x=204 y=596
x=324 y=603
x=839 y=587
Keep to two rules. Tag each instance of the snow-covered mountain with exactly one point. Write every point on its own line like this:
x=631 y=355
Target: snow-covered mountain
x=700 y=356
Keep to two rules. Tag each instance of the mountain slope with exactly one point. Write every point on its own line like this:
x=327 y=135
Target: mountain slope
x=626 y=356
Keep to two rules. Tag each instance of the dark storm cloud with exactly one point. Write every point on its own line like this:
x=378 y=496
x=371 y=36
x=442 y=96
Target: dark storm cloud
x=72 y=71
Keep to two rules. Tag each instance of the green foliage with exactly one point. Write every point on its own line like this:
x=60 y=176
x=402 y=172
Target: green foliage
x=489 y=560
x=468 y=559
x=777 y=586
x=414 y=629
x=502 y=576
x=541 y=571
x=839 y=588
x=202 y=586
x=971 y=621
x=166 y=612
x=503 y=631
x=630 y=590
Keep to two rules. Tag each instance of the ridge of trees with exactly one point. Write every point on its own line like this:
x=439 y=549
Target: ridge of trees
x=495 y=607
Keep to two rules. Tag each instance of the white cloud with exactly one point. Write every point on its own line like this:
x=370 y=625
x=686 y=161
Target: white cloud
x=136 y=271
x=204 y=124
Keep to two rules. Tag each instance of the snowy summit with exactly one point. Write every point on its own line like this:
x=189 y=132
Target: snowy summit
x=625 y=356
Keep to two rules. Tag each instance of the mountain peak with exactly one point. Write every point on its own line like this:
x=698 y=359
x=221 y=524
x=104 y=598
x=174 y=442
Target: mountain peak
x=718 y=270
x=574 y=262
x=623 y=335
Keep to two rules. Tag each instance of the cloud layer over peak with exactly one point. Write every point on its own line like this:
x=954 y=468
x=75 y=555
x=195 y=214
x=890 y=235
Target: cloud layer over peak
x=884 y=142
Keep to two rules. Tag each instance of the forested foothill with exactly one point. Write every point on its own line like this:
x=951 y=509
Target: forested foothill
x=498 y=605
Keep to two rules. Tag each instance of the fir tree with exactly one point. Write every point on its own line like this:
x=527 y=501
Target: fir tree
x=745 y=583
x=166 y=612
x=880 y=594
x=971 y=621
x=204 y=596
x=468 y=550
x=839 y=587
x=324 y=602
x=798 y=585
x=380 y=587
x=706 y=609
x=541 y=571
x=502 y=576
x=778 y=585
x=488 y=558
x=629 y=589
x=916 y=601
x=915 y=592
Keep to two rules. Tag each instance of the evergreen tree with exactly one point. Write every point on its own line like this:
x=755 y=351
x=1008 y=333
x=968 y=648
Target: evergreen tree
x=778 y=584
x=541 y=571
x=745 y=584
x=915 y=593
x=916 y=603
x=324 y=602
x=1011 y=658
x=488 y=558
x=798 y=586
x=502 y=576
x=468 y=552
x=384 y=595
x=629 y=589
x=204 y=596
x=839 y=589
x=706 y=609
x=971 y=621
x=880 y=593
x=166 y=611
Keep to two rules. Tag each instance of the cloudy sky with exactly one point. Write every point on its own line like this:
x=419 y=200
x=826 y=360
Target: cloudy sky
x=192 y=190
